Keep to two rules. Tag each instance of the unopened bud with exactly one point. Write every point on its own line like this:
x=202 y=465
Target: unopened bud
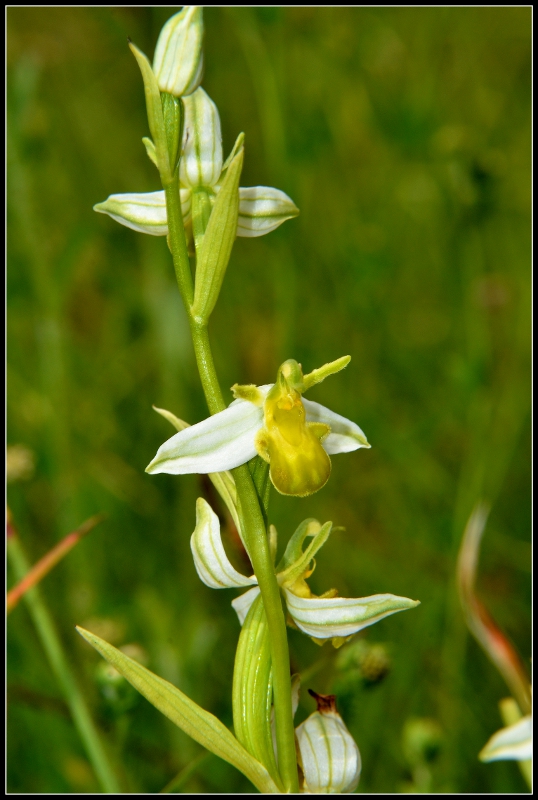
x=178 y=60
x=329 y=756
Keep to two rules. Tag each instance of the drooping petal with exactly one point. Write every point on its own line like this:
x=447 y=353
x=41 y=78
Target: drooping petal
x=242 y=604
x=218 y=443
x=345 y=435
x=178 y=60
x=262 y=209
x=201 y=163
x=330 y=758
x=222 y=481
x=210 y=559
x=143 y=212
x=326 y=617
x=513 y=742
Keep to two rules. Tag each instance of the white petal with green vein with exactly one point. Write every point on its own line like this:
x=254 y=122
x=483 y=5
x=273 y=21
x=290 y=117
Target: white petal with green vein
x=513 y=742
x=178 y=60
x=201 y=162
x=325 y=618
x=220 y=442
x=144 y=212
x=345 y=435
x=330 y=758
x=210 y=559
x=262 y=209
x=242 y=604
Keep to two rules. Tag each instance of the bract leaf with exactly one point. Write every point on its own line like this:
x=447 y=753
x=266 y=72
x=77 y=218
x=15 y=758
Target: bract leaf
x=325 y=617
x=150 y=150
x=197 y=723
x=216 y=247
x=253 y=688
x=345 y=435
x=210 y=559
x=262 y=209
x=218 y=443
x=154 y=109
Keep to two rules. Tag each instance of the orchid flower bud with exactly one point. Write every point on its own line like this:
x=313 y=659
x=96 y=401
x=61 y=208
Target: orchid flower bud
x=328 y=755
x=178 y=61
x=201 y=162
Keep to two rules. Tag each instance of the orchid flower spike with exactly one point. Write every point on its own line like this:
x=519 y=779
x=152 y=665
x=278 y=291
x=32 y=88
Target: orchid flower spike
x=294 y=435
x=322 y=618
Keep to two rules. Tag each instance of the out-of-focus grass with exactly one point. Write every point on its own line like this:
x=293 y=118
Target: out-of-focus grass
x=403 y=134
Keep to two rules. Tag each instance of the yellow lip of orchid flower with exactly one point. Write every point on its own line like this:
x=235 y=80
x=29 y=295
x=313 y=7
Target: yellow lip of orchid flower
x=298 y=463
x=294 y=435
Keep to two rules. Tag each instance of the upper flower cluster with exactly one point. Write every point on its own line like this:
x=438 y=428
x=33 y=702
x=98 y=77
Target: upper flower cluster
x=177 y=70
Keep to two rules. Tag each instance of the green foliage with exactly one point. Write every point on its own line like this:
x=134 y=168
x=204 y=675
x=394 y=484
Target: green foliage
x=403 y=135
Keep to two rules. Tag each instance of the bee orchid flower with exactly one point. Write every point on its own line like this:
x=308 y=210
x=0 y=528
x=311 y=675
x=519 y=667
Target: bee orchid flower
x=295 y=436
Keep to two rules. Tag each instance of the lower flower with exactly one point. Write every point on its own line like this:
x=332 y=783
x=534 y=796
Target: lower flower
x=322 y=618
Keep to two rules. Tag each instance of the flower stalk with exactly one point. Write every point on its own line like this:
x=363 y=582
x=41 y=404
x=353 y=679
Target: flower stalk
x=253 y=524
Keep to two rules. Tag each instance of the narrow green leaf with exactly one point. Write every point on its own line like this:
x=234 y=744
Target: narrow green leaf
x=199 y=724
x=154 y=109
x=217 y=244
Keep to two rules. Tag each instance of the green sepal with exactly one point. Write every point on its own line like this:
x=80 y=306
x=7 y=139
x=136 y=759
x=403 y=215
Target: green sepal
x=294 y=548
x=173 y=115
x=297 y=569
x=216 y=248
x=154 y=111
x=197 y=723
x=253 y=689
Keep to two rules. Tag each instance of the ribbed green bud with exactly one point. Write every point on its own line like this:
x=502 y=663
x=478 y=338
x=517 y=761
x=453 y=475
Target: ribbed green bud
x=173 y=116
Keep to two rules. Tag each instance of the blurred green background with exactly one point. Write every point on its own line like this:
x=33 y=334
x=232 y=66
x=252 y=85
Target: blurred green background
x=403 y=135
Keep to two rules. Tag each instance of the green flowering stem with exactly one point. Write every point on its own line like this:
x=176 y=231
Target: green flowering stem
x=59 y=664
x=176 y=239
x=252 y=516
